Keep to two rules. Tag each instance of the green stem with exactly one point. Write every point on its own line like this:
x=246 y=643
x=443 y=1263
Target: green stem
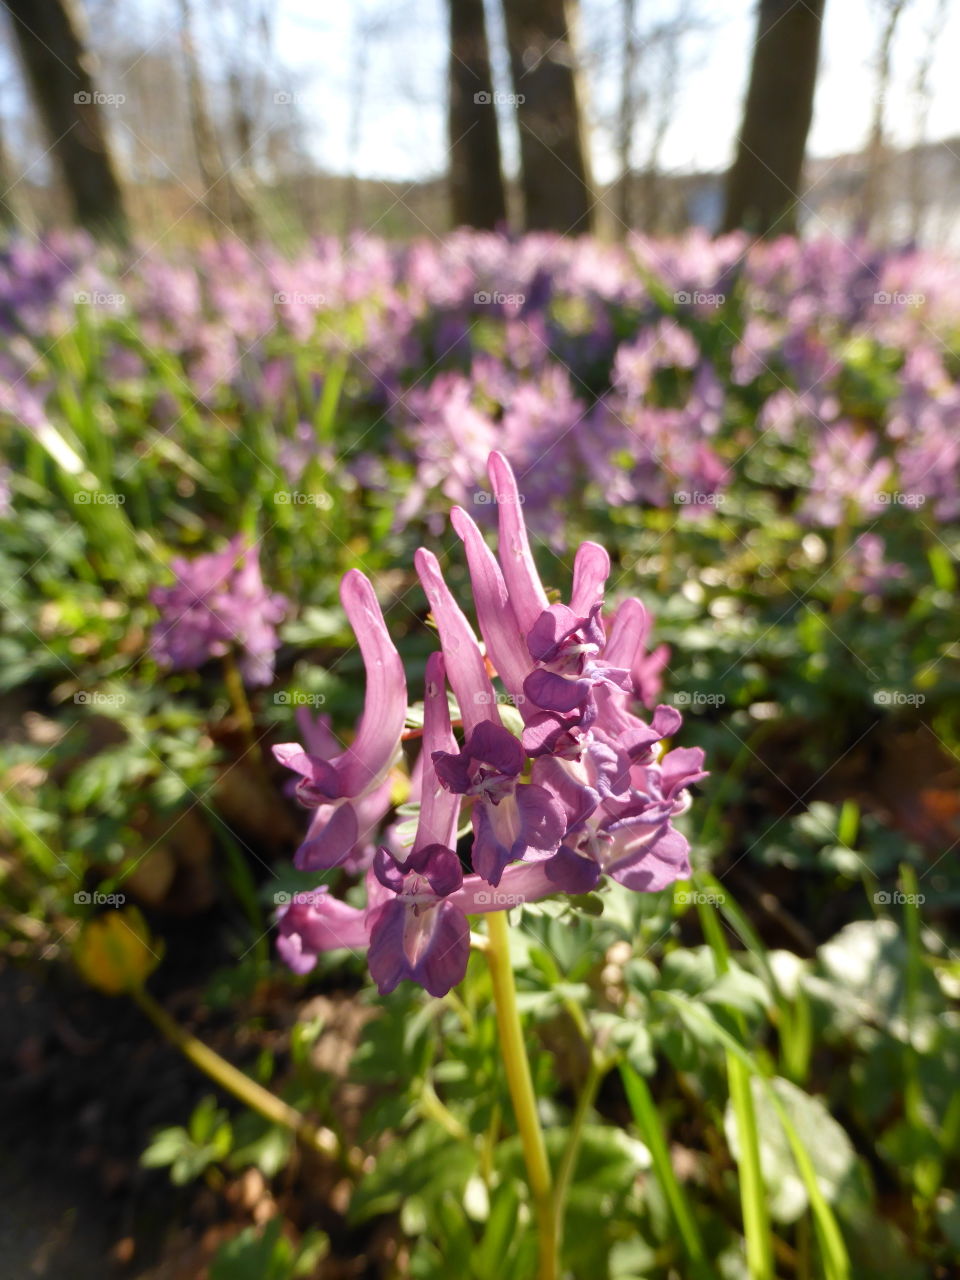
x=435 y=1109
x=598 y=1069
x=238 y=700
x=225 y=1074
x=520 y=1084
x=652 y=1132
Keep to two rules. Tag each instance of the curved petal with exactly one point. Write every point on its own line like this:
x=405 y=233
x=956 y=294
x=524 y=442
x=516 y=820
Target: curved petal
x=319 y=780
x=570 y=785
x=323 y=923
x=655 y=864
x=627 y=632
x=590 y=572
x=571 y=873
x=495 y=831
x=466 y=669
x=498 y=623
x=443 y=961
x=519 y=570
x=388 y=870
x=371 y=753
x=330 y=840
x=492 y=744
x=440 y=866
x=542 y=819
x=553 y=692
x=387 y=959
x=681 y=768
x=439 y=806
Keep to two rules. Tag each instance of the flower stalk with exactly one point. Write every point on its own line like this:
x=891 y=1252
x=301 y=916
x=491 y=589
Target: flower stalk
x=522 y=1095
x=230 y=1078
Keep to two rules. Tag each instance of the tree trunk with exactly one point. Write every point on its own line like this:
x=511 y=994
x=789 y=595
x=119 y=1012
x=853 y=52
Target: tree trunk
x=9 y=214
x=218 y=200
x=51 y=38
x=553 y=153
x=477 y=197
x=626 y=117
x=763 y=186
x=873 y=185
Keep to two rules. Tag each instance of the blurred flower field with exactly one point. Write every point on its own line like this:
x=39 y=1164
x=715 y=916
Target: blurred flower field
x=766 y=440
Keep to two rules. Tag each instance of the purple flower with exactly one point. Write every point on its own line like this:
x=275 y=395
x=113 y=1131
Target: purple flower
x=587 y=791
x=418 y=934
x=315 y=922
x=847 y=477
x=510 y=818
x=872 y=573
x=348 y=790
x=218 y=603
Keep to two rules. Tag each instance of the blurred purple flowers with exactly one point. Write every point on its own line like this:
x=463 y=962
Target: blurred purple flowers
x=218 y=603
x=574 y=786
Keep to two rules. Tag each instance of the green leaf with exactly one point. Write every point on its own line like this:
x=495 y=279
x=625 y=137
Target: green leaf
x=831 y=1151
x=165 y=1147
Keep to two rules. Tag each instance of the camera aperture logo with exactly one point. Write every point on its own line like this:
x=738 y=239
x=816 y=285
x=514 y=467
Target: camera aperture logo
x=484 y=98
x=302 y=898
x=496 y=299
x=696 y=498
x=295 y=298
x=898 y=698
x=294 y=498
x=297 y=698
x=98 y=99
x=98 y=498
x=83 y=898
x=698 y=298
x=496 y=898
x=94 y=698
x=696 y=698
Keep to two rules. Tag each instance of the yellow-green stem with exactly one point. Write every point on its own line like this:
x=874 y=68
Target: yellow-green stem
x=225 y=1074
x=238 y=700
x=520 y=1083
x=598 y=1069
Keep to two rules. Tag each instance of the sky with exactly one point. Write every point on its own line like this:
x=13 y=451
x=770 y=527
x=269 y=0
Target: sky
x=367 y=77
x=402 y=123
